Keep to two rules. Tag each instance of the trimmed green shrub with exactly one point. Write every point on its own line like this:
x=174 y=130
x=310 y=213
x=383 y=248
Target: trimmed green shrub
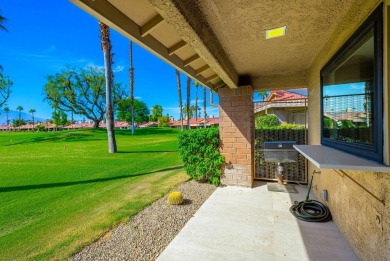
x=284 y=126
x=199 y=150
x=267 y=120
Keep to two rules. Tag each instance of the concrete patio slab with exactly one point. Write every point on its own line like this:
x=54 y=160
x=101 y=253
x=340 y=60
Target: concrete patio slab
x=255 y=224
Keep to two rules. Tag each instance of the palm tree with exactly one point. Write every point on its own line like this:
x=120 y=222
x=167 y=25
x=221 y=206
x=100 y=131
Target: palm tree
x=131 y=87
x=263 y=95
x=180 y=101
x=32 y=111
x=204 y=107
x=196 y=102
x=106 y=47
x=188 y=101
x=6 y=110
x=188 y=111
x=20 y=109
x=2 y=21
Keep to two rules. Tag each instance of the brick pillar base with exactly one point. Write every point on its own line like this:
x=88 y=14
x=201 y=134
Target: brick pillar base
x=236 y=132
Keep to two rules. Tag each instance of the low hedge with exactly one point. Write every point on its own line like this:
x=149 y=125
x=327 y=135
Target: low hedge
x=199 y=150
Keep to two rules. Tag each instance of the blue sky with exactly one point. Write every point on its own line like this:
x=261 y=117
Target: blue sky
x=44 y=36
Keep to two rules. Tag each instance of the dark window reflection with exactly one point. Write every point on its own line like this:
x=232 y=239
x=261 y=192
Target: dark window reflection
x=348 y=95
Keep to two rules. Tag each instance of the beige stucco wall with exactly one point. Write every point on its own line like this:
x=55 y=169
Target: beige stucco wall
x=354 y=196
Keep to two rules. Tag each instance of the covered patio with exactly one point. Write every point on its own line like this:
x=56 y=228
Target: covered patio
x=255 y=224
x=224 y=45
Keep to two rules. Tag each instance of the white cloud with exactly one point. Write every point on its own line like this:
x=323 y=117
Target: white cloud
x=117 y=68
x=138 y=97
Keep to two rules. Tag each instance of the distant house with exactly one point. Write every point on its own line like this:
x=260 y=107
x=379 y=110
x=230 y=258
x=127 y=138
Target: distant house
x=194 y=123
x=149 y=124
x=288 y=106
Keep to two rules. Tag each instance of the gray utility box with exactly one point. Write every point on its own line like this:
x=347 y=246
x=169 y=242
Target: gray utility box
x=280 y=151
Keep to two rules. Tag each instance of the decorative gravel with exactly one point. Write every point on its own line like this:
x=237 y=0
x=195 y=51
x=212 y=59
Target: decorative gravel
x=149 y=232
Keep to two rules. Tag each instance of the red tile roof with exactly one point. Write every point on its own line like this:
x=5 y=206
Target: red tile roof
x=284 y=95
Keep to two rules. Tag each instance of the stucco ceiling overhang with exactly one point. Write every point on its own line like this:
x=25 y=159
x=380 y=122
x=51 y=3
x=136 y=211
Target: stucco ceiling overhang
x=222 y=42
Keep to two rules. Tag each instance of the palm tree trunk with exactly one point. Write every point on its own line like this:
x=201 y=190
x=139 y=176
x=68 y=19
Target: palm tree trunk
x=20 y=119
x=204 y=107
x=188 y=101
x=196 y=106
x=180 y=101
x=131 y=88
x=33 y=120
x=106 y=46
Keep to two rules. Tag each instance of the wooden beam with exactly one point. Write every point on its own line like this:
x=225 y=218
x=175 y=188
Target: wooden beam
x=212 y=77
x=152 y=24
x=219 y=85
x=202 y=69
x=190 y=60
x=193 y=26
x=176 y=47
x=104 y=11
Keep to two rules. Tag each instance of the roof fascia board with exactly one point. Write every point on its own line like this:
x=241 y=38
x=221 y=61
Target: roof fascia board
x=189 y=22
x=110 y=15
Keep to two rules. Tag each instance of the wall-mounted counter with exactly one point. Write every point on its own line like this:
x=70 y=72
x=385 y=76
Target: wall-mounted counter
x=325 y=157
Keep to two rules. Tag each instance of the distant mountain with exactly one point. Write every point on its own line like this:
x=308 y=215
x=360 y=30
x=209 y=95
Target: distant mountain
x=13 y=115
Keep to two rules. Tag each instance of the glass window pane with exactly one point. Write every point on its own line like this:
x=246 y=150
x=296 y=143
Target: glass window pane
x=348 y=95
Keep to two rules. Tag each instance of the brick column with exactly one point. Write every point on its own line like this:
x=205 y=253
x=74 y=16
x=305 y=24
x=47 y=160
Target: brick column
x=236 y=131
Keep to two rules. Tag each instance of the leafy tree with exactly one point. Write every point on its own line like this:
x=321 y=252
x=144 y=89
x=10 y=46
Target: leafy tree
x=157 y=111
x=5 y=87
x=2 y=21
x=109 y=75
x=163 y=121
x=141 y=111
x=18 y=123
x=263 y=95
x=20 y=109
x=32 y=111
x=59 y=118
x=81 y=91
x=265 y=121
x=328 y=123
x=40 y=127
x=180 y=101
x=192 y=111
x=131 y=70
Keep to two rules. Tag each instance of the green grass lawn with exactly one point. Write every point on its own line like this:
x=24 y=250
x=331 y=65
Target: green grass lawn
x=60 y=191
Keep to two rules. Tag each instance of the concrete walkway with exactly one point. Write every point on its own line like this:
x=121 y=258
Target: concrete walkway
x=255 y=224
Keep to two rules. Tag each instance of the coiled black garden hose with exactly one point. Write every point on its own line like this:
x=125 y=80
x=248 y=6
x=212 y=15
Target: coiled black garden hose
x=311 y=210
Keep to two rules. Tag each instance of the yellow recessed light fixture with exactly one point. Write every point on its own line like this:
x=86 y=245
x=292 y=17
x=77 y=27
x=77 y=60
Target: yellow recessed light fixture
x=275 y=32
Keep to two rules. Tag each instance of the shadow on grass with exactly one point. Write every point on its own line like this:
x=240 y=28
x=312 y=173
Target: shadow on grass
x=72 y=183
x=61 y=137
x=147 y=131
